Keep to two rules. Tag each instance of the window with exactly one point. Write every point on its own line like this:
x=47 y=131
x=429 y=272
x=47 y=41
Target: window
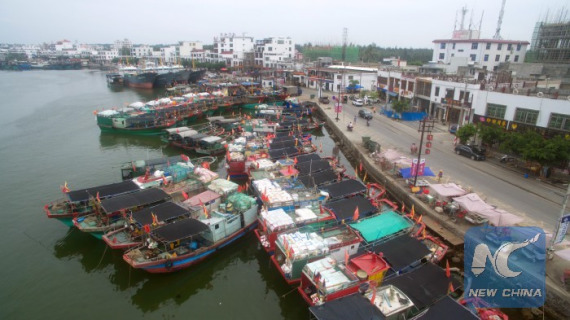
x=496 y=110
x=217 y=227
x=559 y=121
x=453 y=46
x=441 y=56
x=486 y=57
x=519 y=47
x=442 y=45
x=473 y=57
x=516 y=58
x=437 y=91
x=500 y=46
x=526 y=116
x=350 y=77
x=280 y=41
x=339 y=77
x=474 y=45
x=509 y=47
x=269 y=49
x=507 y=57
x=498 y=57
x=488 y=46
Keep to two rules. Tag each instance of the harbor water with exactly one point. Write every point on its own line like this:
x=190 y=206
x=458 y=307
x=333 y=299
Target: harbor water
x=48 y=135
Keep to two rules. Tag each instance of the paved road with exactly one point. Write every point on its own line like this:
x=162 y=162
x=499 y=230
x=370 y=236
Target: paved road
x=529 y=198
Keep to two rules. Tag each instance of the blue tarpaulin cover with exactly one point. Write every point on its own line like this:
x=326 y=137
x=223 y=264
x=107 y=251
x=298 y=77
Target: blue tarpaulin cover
x=407 y=173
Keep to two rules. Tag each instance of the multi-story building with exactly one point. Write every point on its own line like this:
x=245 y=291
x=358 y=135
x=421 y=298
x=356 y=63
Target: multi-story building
x=187 y=47
x=275 y=52
x=232 y=48
x=336 y=78
x=141 y=51
x=486 y=53
x=551 y=42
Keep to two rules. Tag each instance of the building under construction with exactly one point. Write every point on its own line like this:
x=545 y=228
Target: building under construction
x=551 y=42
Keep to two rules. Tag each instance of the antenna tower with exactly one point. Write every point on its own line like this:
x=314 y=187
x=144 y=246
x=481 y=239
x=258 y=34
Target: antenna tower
x=501 y=13
x=344 y=43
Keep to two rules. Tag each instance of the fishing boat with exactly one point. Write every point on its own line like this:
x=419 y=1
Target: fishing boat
x=328 y=279
x=382 y=227
x=179 y=245
x=124 y=121
x=81 y=202
x=142 y=79
x=131 y=234
x=293 y=250
x=114 y=79
x=211 y=145
x=111 y=213
x=136 y=168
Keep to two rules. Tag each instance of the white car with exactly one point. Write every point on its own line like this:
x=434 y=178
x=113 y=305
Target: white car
x=358 y=102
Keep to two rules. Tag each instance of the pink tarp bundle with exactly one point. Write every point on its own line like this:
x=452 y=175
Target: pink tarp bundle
x=396 y=157
x=447 y=190
x=499 y=217
x=472 y=203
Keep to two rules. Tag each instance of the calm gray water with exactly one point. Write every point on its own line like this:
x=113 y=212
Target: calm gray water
x=48 y=135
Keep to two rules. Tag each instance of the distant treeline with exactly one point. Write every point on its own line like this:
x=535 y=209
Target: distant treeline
x=367 y=54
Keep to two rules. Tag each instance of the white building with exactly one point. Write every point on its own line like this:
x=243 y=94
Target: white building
x=169 y=55
x=63 y=45
x=514 y=112
x=452 y=100
x=141 y=51
x=187 y=47
x=275 y=52
x=125 y=43
x=486 y=53
x=232 y=48
x=336 y=78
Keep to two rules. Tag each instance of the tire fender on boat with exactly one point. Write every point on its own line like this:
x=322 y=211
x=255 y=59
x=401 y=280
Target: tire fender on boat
x=168 y=264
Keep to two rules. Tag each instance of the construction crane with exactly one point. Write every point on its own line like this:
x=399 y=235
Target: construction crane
x=497 y=35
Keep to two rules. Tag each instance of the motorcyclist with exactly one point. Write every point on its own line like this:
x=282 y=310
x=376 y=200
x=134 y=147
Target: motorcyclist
x=413 y=148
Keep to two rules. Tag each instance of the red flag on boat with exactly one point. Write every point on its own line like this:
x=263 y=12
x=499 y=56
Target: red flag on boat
x=451 y=288
x=184 y=157
x=65 y=189
x=403 y=208
x=133 y=166
x=345 y=258
x=413 y=212
x=146 y=228
x=97 y=197
x=206 y=165
x=356 y=214
x=360 y=166
x=373 y=298
x=164 y=181
x=447 y=270
x=321 y=208
x=205 y=212
x=201 y=203
x=420 y=219
x=154 y=219
x=295 y=160
x=185 y=195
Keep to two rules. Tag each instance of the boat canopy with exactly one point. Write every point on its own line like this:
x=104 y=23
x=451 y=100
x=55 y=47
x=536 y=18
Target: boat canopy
x=447 y=309
x=424 y=285
x=308 y=157
x=187 y=133
x=137 y=105
x=104 y=191
x=164 y=212
x=283 y=153
x=176 y=130
x=283 y=139
x=401 y=251
x=318 y=178
x=203 y=198
x=180 y=230
x=344 y=188
x=309 y=167
x=281 y=145
x=381 y=226
x=354 y=306
x=344 y=209
x=195 y=137
x=160 y=161
x=211 y=139
x=107 y=113
x=135 y=199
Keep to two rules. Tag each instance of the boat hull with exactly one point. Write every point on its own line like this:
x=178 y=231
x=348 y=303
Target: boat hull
x=187 y=260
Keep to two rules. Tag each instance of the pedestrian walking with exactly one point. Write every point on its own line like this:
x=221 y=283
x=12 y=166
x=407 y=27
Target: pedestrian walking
x=354 y=118
x=439 y=176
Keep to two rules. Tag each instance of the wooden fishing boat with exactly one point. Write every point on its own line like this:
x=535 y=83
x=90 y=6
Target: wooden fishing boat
x=293 y=250
x=211 y=145
x=179 y=245
x=81 y=202
x=133 y=169
x=111 y=214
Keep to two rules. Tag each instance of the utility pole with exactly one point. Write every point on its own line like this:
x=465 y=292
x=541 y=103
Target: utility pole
x=425 y=125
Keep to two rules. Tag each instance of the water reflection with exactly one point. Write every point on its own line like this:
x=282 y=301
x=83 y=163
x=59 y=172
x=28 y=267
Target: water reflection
x=180 y=286
x=110 y=140
x=92 y=252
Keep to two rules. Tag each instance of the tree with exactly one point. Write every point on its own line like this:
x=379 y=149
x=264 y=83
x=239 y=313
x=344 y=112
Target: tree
x=491 y=134
x=125 y=51
x=466 y=132
x=400 y=106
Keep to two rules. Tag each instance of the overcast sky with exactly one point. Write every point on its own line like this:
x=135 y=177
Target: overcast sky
x=402 y=23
